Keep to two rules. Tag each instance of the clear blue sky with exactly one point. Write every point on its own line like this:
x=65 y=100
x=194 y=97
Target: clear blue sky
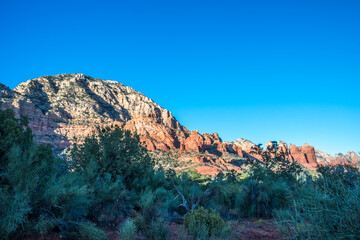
x=261 y=70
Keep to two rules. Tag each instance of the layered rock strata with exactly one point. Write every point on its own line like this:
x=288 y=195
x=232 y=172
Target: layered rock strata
x=325 y=158
x=69 y=107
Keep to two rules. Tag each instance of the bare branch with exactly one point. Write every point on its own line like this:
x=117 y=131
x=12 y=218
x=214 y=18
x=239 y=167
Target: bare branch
x=185 y=203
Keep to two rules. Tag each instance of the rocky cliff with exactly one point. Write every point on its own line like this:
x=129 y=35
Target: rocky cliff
x=67 y=106
x=325 y=158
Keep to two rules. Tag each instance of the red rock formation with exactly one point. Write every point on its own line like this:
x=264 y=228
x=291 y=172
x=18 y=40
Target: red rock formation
x=222 y=147
x=271 y=149
x=248 y=148
x=208 y=139
x=236 y=149
x=208 y=170
x=148 y=143
x=65 y=106
x=282 y=148
x=305 y=155
x=73 y=105
x=194 y=142
x=216 y=138
x=325 y=158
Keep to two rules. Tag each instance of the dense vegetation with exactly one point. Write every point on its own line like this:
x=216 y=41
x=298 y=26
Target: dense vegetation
x=110 y=181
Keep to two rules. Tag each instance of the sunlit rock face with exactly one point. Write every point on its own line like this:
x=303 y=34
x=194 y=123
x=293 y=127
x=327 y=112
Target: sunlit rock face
x=325 y=158
x=68 y=107
x=305 y=155
x=247 y=147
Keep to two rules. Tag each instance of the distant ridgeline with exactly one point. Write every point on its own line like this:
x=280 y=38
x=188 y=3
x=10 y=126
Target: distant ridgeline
x=63 y=107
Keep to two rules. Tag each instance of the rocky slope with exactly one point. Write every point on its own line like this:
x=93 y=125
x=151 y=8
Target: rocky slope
x=72 y=105
x=67 y=106
x=350 y=157
x=305 y=154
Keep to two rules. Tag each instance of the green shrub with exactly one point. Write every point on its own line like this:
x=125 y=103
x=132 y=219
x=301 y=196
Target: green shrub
x=223 y=190
x=149 y=220
x=117 y=152
x=275 y=166
x=38 y=194
x=117 y=168
x=111 y=200
x=88 y=231
x=191 y=191
x=153 y=229
x=327 y=209
x=260 y=199
x=128 y=230
x=12 y=132
x=203 y=224
x=157 y=230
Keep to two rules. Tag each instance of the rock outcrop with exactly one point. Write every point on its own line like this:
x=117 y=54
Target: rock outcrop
x=305 y=155
x=325 y=158
x=5 y=92
x=248 y=148
x=194 y=142
x=67 y=106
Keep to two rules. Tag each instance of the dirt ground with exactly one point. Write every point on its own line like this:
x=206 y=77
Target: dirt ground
x=253 y=229
x=256 y=229
x=248 y=229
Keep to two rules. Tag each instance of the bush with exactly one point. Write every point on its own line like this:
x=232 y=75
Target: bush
x=128 y=230
x=203 y=224
x=327 y=209
x=112 y=151
x=110 y=176
x=12 y=132
x=260 y=199
x=117 y=168
x=111 y=200
x=275 y=166
x=37 y=193
x=149 y=220
x=223 y=189
x=88 y=231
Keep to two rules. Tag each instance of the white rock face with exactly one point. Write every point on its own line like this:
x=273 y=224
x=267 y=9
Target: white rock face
x=323 y=157
x=64 y=106
x=350 y=157
x=244 y=144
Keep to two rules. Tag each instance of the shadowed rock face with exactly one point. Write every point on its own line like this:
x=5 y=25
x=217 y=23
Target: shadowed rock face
x=67 y=106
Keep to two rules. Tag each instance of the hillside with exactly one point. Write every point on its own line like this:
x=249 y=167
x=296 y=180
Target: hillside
x=63 y=107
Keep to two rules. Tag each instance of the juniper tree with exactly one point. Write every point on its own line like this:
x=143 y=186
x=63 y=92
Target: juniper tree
x=36 y=195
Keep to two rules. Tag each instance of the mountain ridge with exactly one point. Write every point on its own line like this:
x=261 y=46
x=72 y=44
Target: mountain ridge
x=65 y=106
x=349 y=157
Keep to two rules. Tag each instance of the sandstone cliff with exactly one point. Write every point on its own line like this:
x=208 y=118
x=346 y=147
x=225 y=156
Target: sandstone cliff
x=325 y=158
x=67 y=106
x=305 y=154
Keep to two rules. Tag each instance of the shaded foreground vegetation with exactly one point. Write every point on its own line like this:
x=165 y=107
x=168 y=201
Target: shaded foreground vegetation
x=109 y=181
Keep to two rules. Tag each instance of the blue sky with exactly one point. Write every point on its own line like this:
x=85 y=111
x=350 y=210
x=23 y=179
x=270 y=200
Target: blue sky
x=261 y=70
